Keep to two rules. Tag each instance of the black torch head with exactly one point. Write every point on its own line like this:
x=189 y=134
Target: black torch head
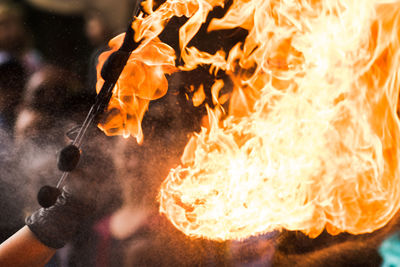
x=48 y=195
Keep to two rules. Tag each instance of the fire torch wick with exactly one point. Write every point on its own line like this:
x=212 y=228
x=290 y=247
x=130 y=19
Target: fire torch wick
x=110 y=72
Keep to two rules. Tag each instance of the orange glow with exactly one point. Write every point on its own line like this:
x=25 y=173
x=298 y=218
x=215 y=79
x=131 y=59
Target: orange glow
x=143 y=79
x=310 y=140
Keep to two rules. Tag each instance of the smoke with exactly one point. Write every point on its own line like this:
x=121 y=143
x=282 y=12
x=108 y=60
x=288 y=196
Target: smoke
x=31 y=162
x=10 y=194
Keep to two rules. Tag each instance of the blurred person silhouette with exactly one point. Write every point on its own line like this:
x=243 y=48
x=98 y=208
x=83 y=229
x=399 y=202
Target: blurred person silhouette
x=98 y=33
x=50 y=98
x=97 y=29
x=15 y=38
x=12 y=82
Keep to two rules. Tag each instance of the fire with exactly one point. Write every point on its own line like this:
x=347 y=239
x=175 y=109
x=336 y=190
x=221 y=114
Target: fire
x=143 y=79
x=310 y=140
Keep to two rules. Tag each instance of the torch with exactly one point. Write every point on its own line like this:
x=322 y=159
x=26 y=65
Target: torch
x=110 y=72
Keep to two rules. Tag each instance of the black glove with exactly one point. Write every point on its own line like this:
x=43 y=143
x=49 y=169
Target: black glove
x=56 y=225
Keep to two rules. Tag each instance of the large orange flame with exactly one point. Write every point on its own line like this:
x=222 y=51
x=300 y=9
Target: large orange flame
x=310 y=140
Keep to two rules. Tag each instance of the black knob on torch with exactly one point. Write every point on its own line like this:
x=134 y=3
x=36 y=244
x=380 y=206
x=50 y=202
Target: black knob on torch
x=48 y=195
x=68 y=158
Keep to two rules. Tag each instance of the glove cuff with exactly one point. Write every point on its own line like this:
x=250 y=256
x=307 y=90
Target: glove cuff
x=56 y=225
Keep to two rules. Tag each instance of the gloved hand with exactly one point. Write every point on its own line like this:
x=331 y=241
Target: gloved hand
x=83 y=194
x=56 y=225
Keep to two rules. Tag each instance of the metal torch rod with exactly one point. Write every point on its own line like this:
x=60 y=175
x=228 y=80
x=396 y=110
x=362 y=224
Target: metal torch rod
x=110 y=72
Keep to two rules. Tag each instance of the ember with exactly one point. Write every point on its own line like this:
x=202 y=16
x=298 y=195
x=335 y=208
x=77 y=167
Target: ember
x=310 y=140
